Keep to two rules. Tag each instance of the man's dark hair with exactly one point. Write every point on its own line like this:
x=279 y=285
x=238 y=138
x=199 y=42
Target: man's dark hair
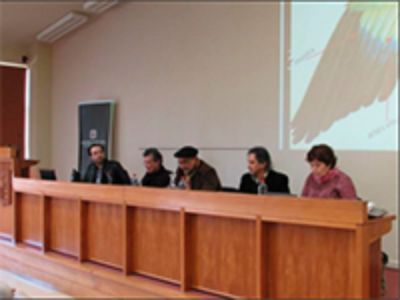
x=89 y=150
x=157 y=156
x=262 y=156
x=322 y=153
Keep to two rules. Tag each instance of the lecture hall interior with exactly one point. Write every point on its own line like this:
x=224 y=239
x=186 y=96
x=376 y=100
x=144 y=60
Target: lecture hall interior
x=199 y=149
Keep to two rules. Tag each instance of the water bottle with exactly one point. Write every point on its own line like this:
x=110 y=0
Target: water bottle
x=181 y=183
x=135 y=180
x=172 y=181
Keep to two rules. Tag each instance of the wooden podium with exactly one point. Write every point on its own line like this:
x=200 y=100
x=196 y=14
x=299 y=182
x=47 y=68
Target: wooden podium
x=10 y=166
x=119 y=241
x=20 y=167
x=7 y=167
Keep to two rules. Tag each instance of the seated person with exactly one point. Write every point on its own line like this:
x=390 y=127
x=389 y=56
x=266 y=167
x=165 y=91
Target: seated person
x=156 y=175
x=325 y=180
x=261 y=179
x=102 y=170
x=193 y=173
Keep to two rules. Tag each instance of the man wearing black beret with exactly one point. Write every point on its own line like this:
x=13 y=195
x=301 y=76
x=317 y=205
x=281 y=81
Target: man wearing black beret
x=193 y=173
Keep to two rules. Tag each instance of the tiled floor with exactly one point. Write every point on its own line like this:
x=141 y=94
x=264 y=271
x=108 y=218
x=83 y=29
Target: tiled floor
x=29 y=288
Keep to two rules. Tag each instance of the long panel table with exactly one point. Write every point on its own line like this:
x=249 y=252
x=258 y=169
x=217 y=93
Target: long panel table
x=143 y=242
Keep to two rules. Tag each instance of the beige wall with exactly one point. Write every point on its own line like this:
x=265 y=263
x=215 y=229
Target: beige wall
x=203 y=74
x=182 y=74
x=12 y=54
x=40 y=110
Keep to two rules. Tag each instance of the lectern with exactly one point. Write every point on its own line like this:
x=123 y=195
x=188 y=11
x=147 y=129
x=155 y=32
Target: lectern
x=10 y=166
x=7 y=167
x=21 y=167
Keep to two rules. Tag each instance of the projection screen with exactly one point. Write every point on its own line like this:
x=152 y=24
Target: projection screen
x=343 y=75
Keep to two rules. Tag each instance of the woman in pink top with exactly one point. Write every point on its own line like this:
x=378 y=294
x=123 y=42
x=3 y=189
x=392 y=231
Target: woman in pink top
x=325 y=180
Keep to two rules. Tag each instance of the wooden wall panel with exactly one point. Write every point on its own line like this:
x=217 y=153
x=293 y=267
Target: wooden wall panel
x=220 y=251
x=154 y=242
x=103 y=237
x=307 y=262
x=29 y=221
x=63 y=226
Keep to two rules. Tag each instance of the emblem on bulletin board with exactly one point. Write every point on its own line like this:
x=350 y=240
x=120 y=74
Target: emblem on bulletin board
x=93 y=134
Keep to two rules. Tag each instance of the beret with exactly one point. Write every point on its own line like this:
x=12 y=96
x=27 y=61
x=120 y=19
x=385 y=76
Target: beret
x=186 y=152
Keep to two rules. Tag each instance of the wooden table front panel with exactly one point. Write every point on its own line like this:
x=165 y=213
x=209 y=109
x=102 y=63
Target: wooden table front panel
x=154 y=242
x=209 y=241
x=63 y=228
x=104 y=235
x=30 y=219
x=307 y=262
x=221 y=255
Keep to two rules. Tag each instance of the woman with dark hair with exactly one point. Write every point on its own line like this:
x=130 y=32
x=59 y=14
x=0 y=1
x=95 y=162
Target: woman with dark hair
x=325 y=180
x=261 y=179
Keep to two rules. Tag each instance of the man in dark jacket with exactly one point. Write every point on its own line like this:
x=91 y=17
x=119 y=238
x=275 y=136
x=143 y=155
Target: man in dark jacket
x=193 y=173
x=261 y=179
x=156 y=174
x=101 y=170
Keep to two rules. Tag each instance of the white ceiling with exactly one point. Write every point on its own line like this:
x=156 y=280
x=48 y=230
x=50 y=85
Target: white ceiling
x=20 y=21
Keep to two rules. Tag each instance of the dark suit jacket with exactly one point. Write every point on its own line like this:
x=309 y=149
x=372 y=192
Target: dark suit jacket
x=161 y=178
x=203 y=178
x=276 y=183
x=113 y=173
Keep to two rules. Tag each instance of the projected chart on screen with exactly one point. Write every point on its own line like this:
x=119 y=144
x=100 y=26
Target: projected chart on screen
x=343 y=75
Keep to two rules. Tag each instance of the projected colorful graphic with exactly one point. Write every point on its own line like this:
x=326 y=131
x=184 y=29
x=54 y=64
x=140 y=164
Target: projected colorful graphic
x=344 y=75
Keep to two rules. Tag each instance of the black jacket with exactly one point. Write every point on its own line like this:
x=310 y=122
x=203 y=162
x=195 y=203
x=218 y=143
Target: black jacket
x=276 y=183
x=161 y=178
x=112 y=173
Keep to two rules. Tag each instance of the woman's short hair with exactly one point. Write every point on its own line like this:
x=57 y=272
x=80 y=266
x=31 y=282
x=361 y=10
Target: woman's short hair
x=322 y=153
x=262 y=156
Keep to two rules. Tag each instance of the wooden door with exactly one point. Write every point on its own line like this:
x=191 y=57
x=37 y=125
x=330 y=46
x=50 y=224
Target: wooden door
x=12 y=108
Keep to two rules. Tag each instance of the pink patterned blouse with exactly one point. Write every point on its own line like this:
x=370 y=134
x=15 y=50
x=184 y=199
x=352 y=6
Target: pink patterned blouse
x=335 y=184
